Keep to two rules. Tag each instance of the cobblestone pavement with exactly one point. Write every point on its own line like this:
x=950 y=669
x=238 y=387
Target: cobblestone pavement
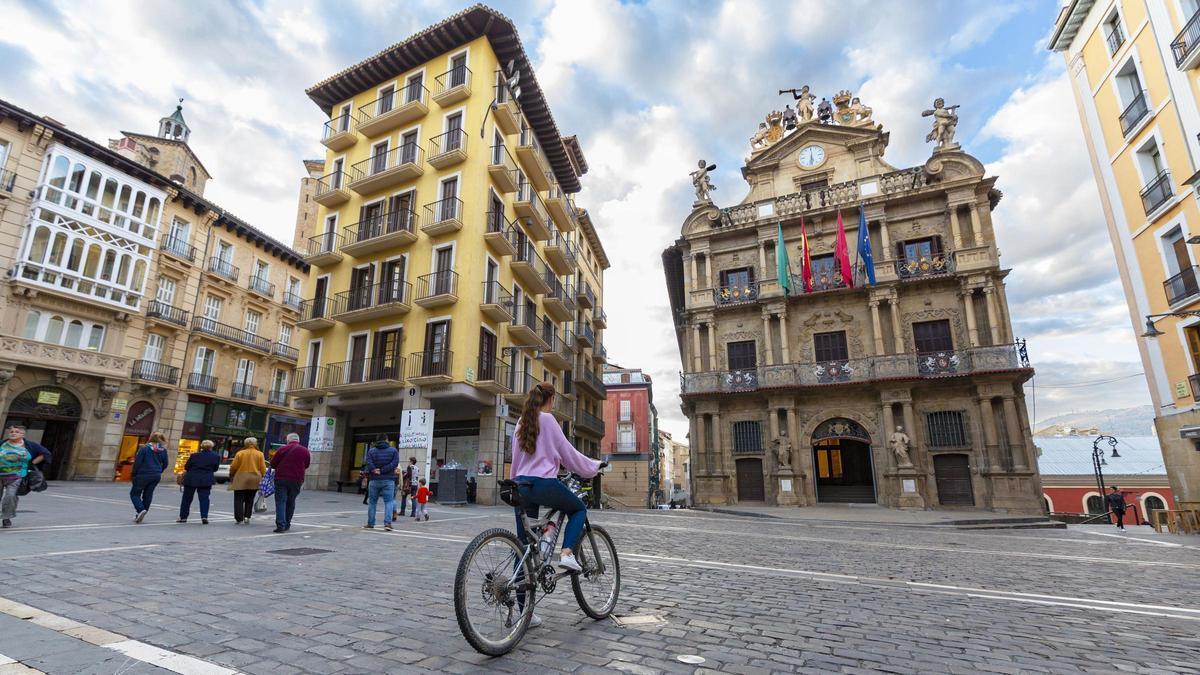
x=748 y=595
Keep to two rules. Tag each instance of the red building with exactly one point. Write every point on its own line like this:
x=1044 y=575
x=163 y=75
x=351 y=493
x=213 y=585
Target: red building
x=630 y=438
x=1069 y=481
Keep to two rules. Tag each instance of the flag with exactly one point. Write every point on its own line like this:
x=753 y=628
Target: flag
x=783 y=268
x=842 y=254
x=864 y=246
x=805 y=259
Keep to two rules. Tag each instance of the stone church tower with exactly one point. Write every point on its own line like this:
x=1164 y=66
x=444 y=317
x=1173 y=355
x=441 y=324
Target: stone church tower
x=167 y=152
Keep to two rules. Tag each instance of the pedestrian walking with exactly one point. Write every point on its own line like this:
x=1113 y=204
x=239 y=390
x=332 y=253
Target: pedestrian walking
x=17 y=454
x=199 y=475
x=422 y=497
x=1116 y=504
x=290 y=462
x=148 y=467
x=245 y=473
x=380 y=469
x=408 y=487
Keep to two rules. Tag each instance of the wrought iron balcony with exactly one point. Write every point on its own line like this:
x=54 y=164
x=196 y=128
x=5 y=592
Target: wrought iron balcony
x=292 y=300
x=736 y=294
x=367 y=373
x=925 y=266
x=588 y=380
x=826 y=279
x=244 y=391
x=505 y=111
x=443 y=217
x=165 y=312
x=1184 y=44
x=492 y=375
x=497 y=303
x=585 y=296
x=529 y=152
x=998 y=358
x=223 y=268
x=379 y=233
x=331 y=189
x=315 y=313
x=1182 y=286
x=531 y=212
x=1116 y=37
x=387 y=112
x=528 y=266
x=387 y=169
x=262 y=286
x=323 y=249
x=584 y=335
x=499 y=234
x=437 y=289
x=308 y=380
x=202 y=382
x=452 y=86
x=560 y=253
x=586 y=421
x=337 y=134
x=503 y=169
x=1135 y=112
x=1157 y=192
x=600 y=354
x=431 y=367
x=519 y=385
x=623 y=447
x=600 y=318
x=372 y=301
x=152 y=371
x=448 y=149
x=286 y=352
x=525 y=328
x=278 y=398
x=559 y=302
x=825 y=198
x=178 y=247
x=230 y=334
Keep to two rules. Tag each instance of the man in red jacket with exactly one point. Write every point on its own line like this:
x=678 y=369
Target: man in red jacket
x=290 y=463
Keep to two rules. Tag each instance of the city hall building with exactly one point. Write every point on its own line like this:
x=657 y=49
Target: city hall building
x=810 y=384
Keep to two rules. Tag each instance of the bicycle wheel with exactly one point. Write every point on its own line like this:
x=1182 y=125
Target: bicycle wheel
x=492 y=613
x=598 y=585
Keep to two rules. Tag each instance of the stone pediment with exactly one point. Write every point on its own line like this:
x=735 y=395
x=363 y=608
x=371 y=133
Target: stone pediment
x=810 y=132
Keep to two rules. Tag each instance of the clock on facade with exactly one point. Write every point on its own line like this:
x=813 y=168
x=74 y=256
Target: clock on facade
x=812 y=156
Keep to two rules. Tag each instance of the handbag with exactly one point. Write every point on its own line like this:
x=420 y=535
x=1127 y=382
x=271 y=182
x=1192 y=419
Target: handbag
x=260 y=503
x=267 y=485
x=180 y=477
x=33 y=481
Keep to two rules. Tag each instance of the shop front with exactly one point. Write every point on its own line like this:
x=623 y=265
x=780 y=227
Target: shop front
x=225 y=423
x=279 y=426
x=139 y=423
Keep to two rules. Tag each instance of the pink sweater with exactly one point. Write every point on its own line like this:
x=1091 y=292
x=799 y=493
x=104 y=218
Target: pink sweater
x=552 y=449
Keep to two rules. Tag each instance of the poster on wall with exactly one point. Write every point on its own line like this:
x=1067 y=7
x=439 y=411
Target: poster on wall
x=321 y=434
x=416 y=437
x=465 y=451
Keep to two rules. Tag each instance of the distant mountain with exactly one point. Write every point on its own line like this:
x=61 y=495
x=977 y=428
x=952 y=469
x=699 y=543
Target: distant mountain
x=1136 y=421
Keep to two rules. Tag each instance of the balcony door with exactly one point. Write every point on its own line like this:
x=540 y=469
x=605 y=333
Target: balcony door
x=203 y=364
x=830 y=347
x=318 y=304
x=920 y=249
x=454 y=133
x=360 y=287
x=245 y=373
x=1181 y=277
x=391 y=280
x=932 y=337
x=212 y=312
x=385 y=359
x=177 y=240
x=386 y=99
x=379 y=157
x=314 y=364
x=739 y=278
x=449 y=206
x=358 y=359
x=408 y=148
x=155 y=345
x=437 y=344
x=742 y=355
x=413 y=89
x=165 y=293
x=399 y=212
x=369 y=218
x=443 y=266
x=487 y=354
x=458 y=71
x=225 y=255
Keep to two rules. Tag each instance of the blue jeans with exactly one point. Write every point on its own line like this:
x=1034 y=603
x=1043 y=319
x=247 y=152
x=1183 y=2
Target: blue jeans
x=285 y=502
x=185 y=504
x=381 y=487
x=142 y=493
x=551 y=493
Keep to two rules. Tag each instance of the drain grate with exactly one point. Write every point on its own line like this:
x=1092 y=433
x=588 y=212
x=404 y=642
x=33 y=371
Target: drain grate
x=300 y=551
x=639 y=620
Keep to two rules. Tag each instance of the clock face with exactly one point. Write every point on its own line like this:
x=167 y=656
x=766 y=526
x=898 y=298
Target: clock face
x=812 y=156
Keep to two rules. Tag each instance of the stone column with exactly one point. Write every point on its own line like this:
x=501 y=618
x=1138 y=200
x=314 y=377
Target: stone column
x=989 y=296
x=762 y=260
x=968 y=296
x=988 y=418
x=767 y=337
x=712 y=270
x=1016 y=439
x=699 y=449
x=976 y=225
x=897 y=336
x=910 y=428
x=889 y=425
x=884 y=240
x=878 y=329
x=696 y=353
x=954 y=227
x=783 y=337
x=721 y=458
x=694 y=279
x=712 y=346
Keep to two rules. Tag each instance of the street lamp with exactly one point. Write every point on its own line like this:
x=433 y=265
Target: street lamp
x=1153 y=332
x=1098 y=459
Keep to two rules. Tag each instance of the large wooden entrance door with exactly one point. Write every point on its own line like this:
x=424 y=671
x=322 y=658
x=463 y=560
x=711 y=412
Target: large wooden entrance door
x=51 y=417
x=750 y=480
x=953 y=475
x=842 y=461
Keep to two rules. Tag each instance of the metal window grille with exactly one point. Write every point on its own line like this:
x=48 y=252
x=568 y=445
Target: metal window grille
x=747 y=437
x=946 y=429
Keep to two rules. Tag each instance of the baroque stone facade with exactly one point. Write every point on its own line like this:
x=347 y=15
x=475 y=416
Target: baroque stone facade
x=905 y=392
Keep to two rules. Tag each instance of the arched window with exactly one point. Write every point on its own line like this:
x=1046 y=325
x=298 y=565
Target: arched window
x=108 y=199
x=54 y=330
x=92 y=263
x=76 y=184
x=76 y=258
x=110 y=262
x=58 y=172
x=139 y=276
x=1046 y=506
x=96 y=338
x=139 y=204
x=123 y=272
x=93 y=190
x=57 y=250
x=32 y=319
x=123 y=202
x=74 y=333
x=1095 y=505
x=152 y=212
x=1151 y=504
x=37 y=247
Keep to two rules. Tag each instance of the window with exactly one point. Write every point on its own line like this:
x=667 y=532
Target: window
x=814 y=185
x=449 y=205
x=385 y=100
x=203 y=364
x=1181 y=282
x=379 y=157
x=54 y=330
x=946 y=429
x=285 y=334
x=626 y=441
x=32 y=320
x=414 y=89
x=95 y=338
x=1114 y=36
x=742 y=355
x=261 y=270
x=487 y=354
x=831 y=346
x=245 y=372
x=74 y=333
x=408 y=147
x=1095 y=505
x=738 y=278
x=1133 y=103
x=343 y=119
x=279 y=381
x=212 y=308
x=224 y=253
x=932 y=336
x=252 y=320
x=497 y=148
x=458 y=70
x=747 y=437
x=626 y=411
x=454 y=133
x=177 y=240
x=920 y=249
x=155 y=345
x=293 y=290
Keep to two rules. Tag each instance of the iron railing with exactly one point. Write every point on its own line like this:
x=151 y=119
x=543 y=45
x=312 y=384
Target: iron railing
x=520 y=383
x=589 y=379
x=231 y=333
x=494 y=293
x=458 y=76
x=223 y=268
x=202 y=382
x=455 y=139
x=1184 y=43
x=278 y=398
x=337 y=125
x=924 y=266
x=409 y=93
x=1116 y=37
x=623 y=447
x=1182 y=286
x=434 y=284
x=526 y=252
x=334 y=180
x=494 y=370
x=262 y=286
x=409 y=153
x=524 y=315
x=588 y=421
x=443 y=210
x=373 y=227
x=244 y=391
x=501 y=157
x=314 y=308
x=372 y=295
x=497 y=223
x=1157 y=192
x=161 y=310
x=560 y=240
x=178 y=247
x=292 y=300
x=326 y=242
x=1137 y=110
x=285 y=351
x=431 y=364
x=152 y=371
x=364 y=370
x=309 y=377
x=736 y=294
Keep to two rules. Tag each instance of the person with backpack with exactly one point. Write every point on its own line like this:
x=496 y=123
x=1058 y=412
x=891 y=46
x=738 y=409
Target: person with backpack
x=199 y=475
x=380 y=469
x=408 y=486
x=17 y=455
x=148 y=467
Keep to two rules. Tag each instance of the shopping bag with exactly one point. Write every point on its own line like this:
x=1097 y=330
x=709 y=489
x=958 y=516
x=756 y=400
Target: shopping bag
x=266 y=486
x=33 y=481
x=260 y=503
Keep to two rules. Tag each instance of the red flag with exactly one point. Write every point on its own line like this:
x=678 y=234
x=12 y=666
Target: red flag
x=805 y=259
x=842 y=254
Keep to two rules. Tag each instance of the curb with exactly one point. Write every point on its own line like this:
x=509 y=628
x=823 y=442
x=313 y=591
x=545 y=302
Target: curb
x=1032 y=523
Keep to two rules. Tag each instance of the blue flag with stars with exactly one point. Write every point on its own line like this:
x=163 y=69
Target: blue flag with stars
x=864 y=246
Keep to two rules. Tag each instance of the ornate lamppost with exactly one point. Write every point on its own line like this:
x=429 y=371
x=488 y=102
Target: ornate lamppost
x=1098 y=462
x=1151 y=319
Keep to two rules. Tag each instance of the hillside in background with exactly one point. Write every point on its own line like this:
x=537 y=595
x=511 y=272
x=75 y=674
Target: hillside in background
x=1136 y=421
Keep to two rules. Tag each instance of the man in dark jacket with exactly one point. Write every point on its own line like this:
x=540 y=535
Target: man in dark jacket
x=1115 y=501
x=148 y=466
x=290 y=462
x=199 y=474
x=380 y=467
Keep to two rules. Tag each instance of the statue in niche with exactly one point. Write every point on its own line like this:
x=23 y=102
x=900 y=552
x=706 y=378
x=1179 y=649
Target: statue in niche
x=783 y=451
x=900 y=443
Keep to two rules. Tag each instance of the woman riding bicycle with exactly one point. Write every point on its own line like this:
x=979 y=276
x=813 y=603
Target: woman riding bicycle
x=539 y=447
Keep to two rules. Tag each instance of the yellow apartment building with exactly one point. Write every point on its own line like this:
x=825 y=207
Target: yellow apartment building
x=1134 y=71
x=451 y=268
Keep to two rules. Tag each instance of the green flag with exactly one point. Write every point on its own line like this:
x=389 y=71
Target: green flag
x=783 y=269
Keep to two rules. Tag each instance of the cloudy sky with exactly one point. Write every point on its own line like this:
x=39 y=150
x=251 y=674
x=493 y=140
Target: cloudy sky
x=649 y=87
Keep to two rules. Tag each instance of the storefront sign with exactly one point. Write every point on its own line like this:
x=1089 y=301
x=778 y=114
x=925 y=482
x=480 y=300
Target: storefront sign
x=322 y=434
x=140 y=420
x=416 y=433
x=48 y=397
x=120 y=404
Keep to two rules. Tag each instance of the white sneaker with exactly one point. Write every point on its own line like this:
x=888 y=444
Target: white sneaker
x=568 y=561
x=140 y=516
x=535 y=621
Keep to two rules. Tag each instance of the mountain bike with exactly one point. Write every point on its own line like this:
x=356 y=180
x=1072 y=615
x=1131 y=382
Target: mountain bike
x=499 y=574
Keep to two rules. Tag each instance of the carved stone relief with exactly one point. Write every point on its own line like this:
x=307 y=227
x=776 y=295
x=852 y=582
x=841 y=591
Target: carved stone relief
x=826 y=321
x=957 y=329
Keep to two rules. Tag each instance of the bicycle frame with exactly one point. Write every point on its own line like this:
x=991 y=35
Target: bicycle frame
x=533 y=539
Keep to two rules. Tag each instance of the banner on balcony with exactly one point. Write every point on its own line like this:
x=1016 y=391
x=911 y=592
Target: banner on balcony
x=864 y=246
x=842 y=254
x=805 y=259
x=783 y=266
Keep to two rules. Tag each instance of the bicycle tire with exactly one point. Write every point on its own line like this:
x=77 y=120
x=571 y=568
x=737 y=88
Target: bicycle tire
x=462 y=583
x=586 y=551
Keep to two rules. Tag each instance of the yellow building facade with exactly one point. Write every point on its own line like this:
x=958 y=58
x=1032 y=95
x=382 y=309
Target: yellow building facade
x=1134 y=67
x=451 y=269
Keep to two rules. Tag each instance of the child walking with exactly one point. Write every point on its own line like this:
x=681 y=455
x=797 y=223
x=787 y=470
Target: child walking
x=422 y=497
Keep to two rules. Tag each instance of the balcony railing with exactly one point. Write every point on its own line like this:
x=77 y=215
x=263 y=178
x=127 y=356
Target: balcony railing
x=873 y=368
x=409 y=153
x=367 y=370
x=337 y=125
x=152 y=371
x=372 y=295
x=202 y=382
x=828 y=197
x=924 y=266
x=444 y=144
x=230 y=333
x=1157 y=192
x=178 y=247
x=1185 y=43
x=623 y=447
x=736 y=294
x=583 y=330
x=292 y=300
x=1135 y=112
x=493 y=370
x=278 y=398
x=373 y=227
x=323 y=244
x=443 y=210
x=315 y=308
x=434 y=284
x=520 y=383
x=1116 y=37
x=588 y=421
x=165 y=312
x=262 y=286
x=413 y=92
x=1182 y=286
x=244 y=391
x=431 y=364
x=285 y=351
x=311 y=377
x=526 y=316
x=223 y=268
x=330 y=182
x=459 y=76
x=589 y=380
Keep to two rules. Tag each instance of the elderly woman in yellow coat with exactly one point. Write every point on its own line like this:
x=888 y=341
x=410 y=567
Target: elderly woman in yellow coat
x=245 y=473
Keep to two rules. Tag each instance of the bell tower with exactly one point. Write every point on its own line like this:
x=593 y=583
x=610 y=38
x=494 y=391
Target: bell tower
x=173 y=127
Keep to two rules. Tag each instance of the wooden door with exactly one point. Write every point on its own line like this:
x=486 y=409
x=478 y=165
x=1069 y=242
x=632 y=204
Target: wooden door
x=442 y=266
x=360 y=287
x=487 y=354
x=953 y=474
x=318 y=306
x=437 y=344
x=358 y=358
x=750 y=486
x=385 y=361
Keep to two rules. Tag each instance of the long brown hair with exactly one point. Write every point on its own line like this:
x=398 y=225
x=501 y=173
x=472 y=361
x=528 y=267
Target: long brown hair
x=528 y=427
